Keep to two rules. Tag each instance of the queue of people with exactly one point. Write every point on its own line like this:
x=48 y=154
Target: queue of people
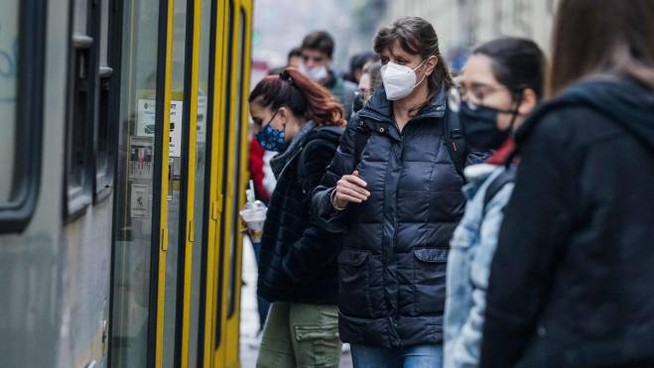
x=498 y=219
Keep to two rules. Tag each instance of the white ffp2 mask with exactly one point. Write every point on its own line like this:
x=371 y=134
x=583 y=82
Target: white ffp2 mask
x=316 y=74
x=399 y=80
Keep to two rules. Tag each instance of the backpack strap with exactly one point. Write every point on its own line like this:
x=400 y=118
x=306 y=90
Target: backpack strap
x=454 y=141
x=360 y=139
x=505 y=177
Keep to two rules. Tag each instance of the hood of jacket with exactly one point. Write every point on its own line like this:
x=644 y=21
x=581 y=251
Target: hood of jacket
x=627 y=103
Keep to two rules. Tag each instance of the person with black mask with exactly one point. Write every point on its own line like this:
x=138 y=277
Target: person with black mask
x=572 y=281
x=499 y=85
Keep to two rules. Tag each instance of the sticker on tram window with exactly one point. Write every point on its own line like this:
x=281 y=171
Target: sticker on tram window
x=145 y=119
x=175 y=129
x=146 y=123
x=202 y=119
x=140 y=158
x=140 y=201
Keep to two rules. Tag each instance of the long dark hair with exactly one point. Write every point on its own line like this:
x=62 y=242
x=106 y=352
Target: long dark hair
x=417 y=37
x=517 y=63
x=302 y=96
x=603 y=36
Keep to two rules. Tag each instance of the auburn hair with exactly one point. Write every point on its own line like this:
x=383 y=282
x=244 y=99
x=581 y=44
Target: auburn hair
x=301 y=95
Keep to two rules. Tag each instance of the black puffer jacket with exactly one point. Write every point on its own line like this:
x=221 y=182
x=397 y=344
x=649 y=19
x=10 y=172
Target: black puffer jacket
x=392 y=267
x=298 y=259
x=572 y=281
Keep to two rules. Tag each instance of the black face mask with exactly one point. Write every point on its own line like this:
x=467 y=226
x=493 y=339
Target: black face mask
x=479 y=127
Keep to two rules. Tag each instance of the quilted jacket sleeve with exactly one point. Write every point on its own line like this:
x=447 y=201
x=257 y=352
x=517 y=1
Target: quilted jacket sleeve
x=343 y=163
x=317 y=248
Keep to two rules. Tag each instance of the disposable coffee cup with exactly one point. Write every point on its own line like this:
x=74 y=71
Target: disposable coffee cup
x=254 y=219
x=254 y=215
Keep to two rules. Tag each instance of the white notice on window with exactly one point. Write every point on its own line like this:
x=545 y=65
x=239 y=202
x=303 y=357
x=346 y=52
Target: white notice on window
x=146 y=123
x=139 y=201
x=175 y=129
x=145 y=119
x=202 y=119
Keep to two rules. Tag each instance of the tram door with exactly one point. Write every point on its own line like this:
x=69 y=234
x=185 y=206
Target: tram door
x=180 y=182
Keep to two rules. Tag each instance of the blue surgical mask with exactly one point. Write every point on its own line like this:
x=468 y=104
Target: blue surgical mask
x=272 y=139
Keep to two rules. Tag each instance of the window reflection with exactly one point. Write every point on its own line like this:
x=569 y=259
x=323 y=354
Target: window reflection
x=8 y=73
x=135 y=183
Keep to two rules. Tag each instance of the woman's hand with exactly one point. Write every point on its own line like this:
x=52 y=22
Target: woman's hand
x=349 y=189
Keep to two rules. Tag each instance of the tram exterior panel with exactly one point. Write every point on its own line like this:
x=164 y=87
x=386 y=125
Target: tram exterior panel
x=85 y=281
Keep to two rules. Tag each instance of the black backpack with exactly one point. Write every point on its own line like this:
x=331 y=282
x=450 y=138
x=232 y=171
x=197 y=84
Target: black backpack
x=454 y=141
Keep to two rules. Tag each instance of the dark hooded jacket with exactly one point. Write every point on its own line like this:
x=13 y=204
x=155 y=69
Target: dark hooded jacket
x=298 y=259
x=572 y=281
x=392 y=266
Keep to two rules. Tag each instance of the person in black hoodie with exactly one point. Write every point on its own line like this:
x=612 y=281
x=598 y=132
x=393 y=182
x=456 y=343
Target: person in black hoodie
x=572 y=281
x=297 y=264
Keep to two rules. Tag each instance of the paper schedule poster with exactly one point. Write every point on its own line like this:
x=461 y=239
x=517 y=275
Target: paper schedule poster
x=146 y=123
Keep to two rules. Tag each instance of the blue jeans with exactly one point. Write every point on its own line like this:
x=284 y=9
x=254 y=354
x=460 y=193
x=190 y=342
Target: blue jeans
x=418 y=356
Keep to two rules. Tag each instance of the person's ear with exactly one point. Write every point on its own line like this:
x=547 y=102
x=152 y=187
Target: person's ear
x=283 y=115
x=527 y=102
x=430 y=65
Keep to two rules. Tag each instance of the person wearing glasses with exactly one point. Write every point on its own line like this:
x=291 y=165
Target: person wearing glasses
x=369 y=81
x=317 y=51
x=499 y=85
x=393 y=190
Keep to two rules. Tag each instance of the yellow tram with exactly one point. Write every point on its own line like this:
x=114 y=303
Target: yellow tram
x=123 y=151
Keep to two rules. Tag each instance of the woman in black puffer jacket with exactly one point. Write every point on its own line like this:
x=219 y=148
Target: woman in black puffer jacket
x=297 y=265
x=394 y=190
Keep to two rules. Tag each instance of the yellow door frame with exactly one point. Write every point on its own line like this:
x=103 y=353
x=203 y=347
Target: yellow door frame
x=213 y=294
x=244 y=7
x=163 y=222
x=190 y=156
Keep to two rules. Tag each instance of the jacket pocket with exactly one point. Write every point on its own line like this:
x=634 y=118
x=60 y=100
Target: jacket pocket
x=353 y=291
x=430 y=266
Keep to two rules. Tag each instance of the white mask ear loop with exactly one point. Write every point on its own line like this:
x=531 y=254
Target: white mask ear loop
x=423 y=76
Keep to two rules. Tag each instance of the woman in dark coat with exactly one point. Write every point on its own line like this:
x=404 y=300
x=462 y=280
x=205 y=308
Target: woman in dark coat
x=394 y=190
x=572 y=281
x=297 y=265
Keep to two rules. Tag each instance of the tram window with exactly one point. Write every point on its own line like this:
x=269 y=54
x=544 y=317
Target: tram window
x=79 y=130
x=21 y=74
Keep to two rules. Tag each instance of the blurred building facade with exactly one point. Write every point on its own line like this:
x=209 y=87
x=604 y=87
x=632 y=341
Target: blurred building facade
x=462 y=24
x=280 y=25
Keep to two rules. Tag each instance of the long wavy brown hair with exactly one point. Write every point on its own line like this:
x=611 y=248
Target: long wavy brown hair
x=301 y=95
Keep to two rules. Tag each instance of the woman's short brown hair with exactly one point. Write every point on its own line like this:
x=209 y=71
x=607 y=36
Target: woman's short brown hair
x=417 y=37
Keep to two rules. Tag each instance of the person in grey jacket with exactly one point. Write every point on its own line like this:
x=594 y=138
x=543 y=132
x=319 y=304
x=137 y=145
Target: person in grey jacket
x=394 y=191
x=500 y=84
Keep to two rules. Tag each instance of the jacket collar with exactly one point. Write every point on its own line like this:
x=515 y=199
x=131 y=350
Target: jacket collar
x=281 y=161
x=379 y=108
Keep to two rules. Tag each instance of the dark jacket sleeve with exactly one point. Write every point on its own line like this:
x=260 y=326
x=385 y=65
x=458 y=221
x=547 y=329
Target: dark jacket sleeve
x=317 y=248
x=536 y=227
x=343 y=163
